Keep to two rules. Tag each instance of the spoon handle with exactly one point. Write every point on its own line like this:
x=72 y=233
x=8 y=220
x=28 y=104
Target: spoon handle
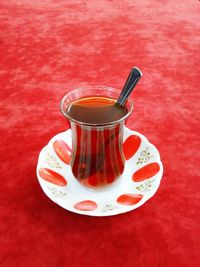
x=132 y=80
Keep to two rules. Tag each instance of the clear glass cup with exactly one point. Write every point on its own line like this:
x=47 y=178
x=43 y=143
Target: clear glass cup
x=97 y=158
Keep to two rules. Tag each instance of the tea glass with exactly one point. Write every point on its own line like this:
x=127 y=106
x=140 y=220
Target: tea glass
x=97 y=158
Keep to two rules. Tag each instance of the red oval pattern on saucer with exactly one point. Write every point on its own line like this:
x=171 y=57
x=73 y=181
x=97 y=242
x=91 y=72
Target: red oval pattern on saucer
x=146 y=172
x=131 y=145
x=129 y=199
x=52 y=177
x=62 y=150
x=86 y=205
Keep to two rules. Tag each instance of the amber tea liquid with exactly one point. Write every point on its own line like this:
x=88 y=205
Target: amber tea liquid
x=97 y=156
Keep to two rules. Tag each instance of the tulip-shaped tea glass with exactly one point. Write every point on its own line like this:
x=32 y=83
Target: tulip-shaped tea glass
x=97 y=158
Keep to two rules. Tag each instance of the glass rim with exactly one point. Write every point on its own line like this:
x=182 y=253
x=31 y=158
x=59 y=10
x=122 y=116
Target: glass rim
x=83 y=88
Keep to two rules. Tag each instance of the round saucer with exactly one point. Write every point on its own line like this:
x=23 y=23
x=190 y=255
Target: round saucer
x=138 y=183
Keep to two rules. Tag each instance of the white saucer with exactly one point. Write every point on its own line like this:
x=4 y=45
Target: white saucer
x=138 y=183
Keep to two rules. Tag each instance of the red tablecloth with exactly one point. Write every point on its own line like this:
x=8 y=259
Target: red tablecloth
x=50 y=47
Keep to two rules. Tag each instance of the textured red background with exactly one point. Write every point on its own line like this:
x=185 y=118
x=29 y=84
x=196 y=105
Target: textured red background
x=50 y=47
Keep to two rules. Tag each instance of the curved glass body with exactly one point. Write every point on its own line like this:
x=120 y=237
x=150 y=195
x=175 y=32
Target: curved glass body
x=97 y=156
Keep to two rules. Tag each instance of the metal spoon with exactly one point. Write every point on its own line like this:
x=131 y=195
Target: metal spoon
x=131 y=82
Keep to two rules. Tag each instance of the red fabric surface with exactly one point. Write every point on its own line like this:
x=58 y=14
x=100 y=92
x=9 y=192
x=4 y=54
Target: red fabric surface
x=50 y=47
